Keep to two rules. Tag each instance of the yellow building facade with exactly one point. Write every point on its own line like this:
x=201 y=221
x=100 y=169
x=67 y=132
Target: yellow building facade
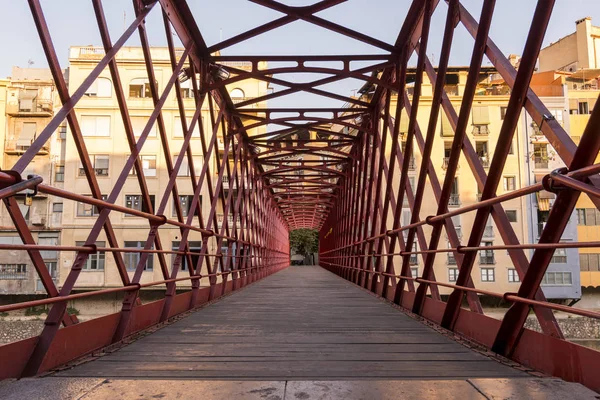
x=104 y=135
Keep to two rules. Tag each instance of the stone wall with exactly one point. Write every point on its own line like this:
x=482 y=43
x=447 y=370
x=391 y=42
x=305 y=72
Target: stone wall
x=15 y=330
x=573 y=327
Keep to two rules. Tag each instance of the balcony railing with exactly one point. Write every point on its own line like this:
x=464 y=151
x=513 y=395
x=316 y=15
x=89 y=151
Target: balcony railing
x=454 y=199
x=541 y=162
x=480 y=130
x=27 y=107
x=485 y=161
x=486 y=260
x=14 y=147
x=411 y=164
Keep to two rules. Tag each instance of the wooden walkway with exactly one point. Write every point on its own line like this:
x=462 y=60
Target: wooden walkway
x=303 y=323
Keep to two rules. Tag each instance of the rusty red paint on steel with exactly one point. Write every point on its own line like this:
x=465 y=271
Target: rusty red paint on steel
x=345 y=190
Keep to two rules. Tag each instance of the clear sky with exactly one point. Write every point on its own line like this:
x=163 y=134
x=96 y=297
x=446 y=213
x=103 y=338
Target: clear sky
x=72 y=23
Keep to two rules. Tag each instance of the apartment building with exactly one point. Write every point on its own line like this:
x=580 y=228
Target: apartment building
x=570 y=69
x=493 y=270
x=104 y=135
x=28 y=101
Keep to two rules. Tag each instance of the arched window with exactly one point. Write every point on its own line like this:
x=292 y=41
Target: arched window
x=102 y=87
x=237 y=94
x=140 y=88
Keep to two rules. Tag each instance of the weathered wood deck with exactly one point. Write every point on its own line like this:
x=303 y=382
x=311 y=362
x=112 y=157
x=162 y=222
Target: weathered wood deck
x=302 y=323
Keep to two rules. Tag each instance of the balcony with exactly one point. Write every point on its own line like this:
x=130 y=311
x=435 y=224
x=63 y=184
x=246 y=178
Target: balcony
x=485 y=161
x=220 y=218
x=30 y=108
x=446 y=162
x=540 y=228
x=487 y=259
x=480 y=130
x=16 y=147
x=411 y=164
x=454 y=199
x=540 y=162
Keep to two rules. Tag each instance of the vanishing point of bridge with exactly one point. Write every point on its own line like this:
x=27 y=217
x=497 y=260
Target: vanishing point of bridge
x=240 y=313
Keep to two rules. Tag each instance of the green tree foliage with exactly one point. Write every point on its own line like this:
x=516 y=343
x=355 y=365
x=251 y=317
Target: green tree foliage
x=304 y=241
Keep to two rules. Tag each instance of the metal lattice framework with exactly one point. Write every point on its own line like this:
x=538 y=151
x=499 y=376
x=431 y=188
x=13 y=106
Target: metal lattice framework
x=340 y=181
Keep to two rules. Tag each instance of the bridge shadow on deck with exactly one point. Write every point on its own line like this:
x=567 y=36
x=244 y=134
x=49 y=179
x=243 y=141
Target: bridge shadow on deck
x=303 y=323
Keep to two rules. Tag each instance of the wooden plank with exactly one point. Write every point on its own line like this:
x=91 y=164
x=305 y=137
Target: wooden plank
x=301 y=323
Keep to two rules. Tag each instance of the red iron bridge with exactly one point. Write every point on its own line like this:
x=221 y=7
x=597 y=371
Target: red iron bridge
x=248 y=324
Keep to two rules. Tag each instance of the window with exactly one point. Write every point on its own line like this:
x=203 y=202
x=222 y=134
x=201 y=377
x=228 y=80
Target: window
x=447 y=152
x=414 y=259
x=559 y=256
x=62 y=131
x=589 y=261
x=138 y=123
x=511 y=215
x=454 y=194
x=140 y=88
x=584 y=107
x=194 y=247
x=540 y=155
x=132 y=259
x=588 y=216
x=184 y=169
x=178 y=129
x=27 y=135
x=511 y=149
x=102 y=87
x=557 y=279
x=13 y=271
x=148 y=166
x=59 y=173
x=237 y=94
x=503 y=112
x=95 y=125
x=481 y=148
x=481 y=115
x=509 y=183
x=57 y=207
x=414 y=272
x=187 y=89
x=452 y=274
x=99 y=164
x=513 y=276
x=88 y=210
x=486 y=256
x=488 y=275
x=94 y=262
x=451 y=259
x=186 y=203
x=134 y=201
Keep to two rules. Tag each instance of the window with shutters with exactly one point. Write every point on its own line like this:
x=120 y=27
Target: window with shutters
x=446 y=126
x=102 y=87
x=513 y=276
x=99 y=164
x=27 y=135
x=589 y=261
x=414 y=272
x=481 y=120
x=178 y=128
x=588 y=216
x=509 y=183
x=95 y=125
x=59 y=173
x=138 y=123
x=184 y=169
x=140 y=88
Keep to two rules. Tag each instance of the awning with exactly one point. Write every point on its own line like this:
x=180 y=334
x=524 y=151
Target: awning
x=27 y=134
x=543 y=204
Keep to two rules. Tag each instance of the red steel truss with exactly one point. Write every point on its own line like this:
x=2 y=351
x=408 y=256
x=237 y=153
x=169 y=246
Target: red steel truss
x=339 y=183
